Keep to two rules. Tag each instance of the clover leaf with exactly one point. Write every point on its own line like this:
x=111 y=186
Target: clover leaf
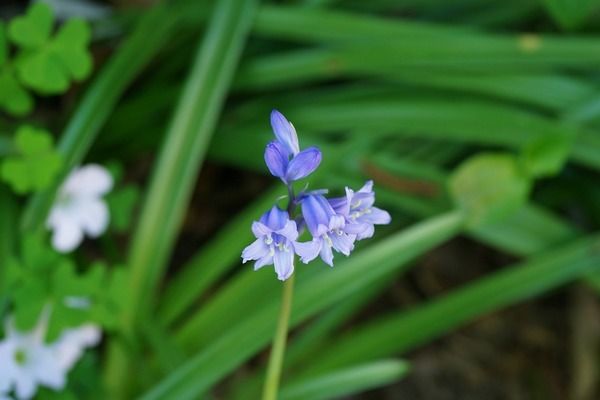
x=49 y=64
x=33 y=29
x=36 y=164
x=14 y=99
x=42 y=279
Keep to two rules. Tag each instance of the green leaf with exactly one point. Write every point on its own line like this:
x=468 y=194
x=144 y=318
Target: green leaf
x=33 y=29
x=488 y=187
x=176 y=170
x=37 y=163
x=546 y=155
x=570 y=14
x=14 y=99
x=347 y=381
x=49 y=65
x=121 y=203
x=70 y=45
x=3 y=44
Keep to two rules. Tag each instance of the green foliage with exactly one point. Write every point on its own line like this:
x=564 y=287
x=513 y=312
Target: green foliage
x=42 y=279
x=570 y=14
x=121 y=200
x=36 y=163
x=46 y=64
x=49 y=64
x=488 y=187
x=546 y=156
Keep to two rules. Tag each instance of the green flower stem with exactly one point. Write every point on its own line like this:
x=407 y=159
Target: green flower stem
x=278 y=350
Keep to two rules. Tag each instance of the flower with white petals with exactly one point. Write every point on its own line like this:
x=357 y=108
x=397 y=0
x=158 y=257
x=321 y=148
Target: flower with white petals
x=80 y=208
x=27 y=362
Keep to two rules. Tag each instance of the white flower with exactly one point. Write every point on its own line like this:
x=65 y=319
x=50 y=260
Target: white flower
x=26 y=362
x=79 y=208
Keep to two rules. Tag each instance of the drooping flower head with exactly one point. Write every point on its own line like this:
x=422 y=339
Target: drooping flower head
x=283 y=156
x=327 y=229
x=275 y=242
x=359 y=213
x=334 y=224
x=79 y=208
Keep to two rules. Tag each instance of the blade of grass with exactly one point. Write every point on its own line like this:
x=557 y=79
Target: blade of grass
x=397 y=333
x=177 y=167
x=347 y=381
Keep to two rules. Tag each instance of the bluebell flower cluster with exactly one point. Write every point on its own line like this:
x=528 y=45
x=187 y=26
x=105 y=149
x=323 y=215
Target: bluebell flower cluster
x=334 y=223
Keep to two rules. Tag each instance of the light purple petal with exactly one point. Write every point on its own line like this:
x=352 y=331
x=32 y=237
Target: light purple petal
x=362 y=200
x=355 y=228
x=290 y=231
x=367 y=233
x=342 y=242
x=275 y=218
x=303 y=164
x=327 y=254
x=367 y=187
x=285 y=132
x=317 y=214
x=340 y=205
x=259 y=229
x=276 y=159
x=308 y=251
x=284 y=262
x=266 y=260
x=336 y=222
x=258 y=249
x=376 y=216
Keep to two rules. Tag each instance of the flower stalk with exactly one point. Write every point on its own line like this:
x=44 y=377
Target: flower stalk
x=275 y=366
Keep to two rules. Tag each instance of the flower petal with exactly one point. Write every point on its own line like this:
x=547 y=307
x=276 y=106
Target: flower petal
x=46 y=370
x=342 y=242
x=25 y=385
x=284 y=263
x=259 y=229
x=92 y=214
x=376 y=216
x=303 y=164
x=67 y=233
x=327 y=254
x=69 y=348
x=317 y=214
x=257 y=250
x=289 y=231
x=275 y=218
x=367 y=187
x=367 y=233
x=308 y=251
x=266 y=260
x=90 y=180
x=276 y=159
x=285 y=132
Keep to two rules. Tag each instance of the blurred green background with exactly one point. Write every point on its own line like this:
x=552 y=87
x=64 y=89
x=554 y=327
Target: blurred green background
x=479 y=122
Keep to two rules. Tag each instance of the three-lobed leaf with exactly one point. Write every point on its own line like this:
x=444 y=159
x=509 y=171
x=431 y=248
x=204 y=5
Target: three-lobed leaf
x=36 y=163
x=49 y=64
x=33 y=29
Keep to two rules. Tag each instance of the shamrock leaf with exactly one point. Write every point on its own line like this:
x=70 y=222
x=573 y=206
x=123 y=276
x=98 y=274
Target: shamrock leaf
x=37 y=163
x=13 y=98
x=45 y=64
x=33 y=29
